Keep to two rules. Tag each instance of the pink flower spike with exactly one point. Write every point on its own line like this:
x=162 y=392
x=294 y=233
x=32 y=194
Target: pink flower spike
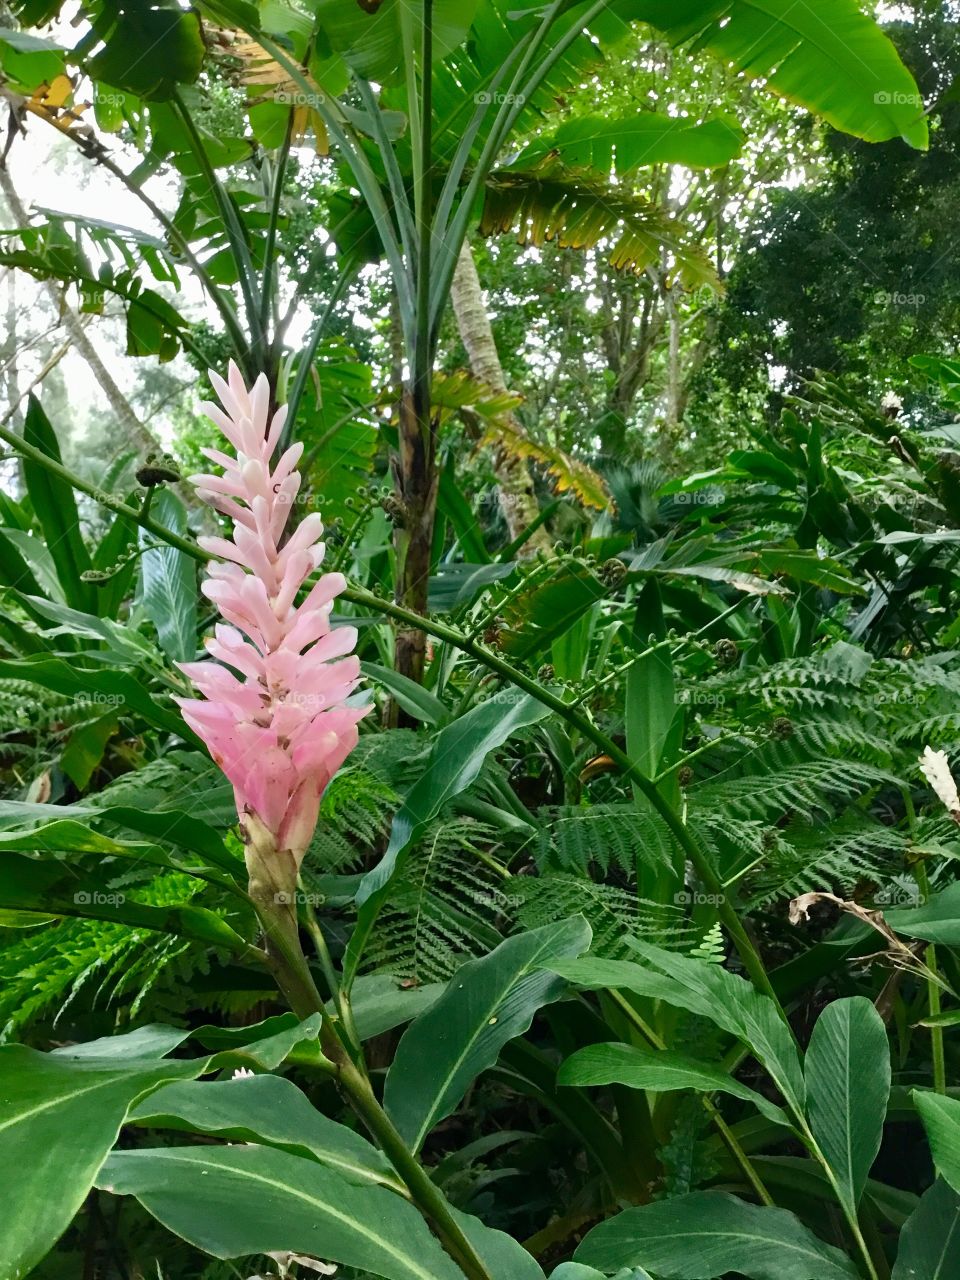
x=273 y=713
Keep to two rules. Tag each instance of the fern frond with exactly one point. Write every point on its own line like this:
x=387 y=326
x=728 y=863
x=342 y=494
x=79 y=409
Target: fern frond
x=803 y=790
x=811 y=858
x=613 y=913
x=591 y=836
x=446 y=906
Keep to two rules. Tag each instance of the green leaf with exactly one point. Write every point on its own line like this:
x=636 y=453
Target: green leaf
x=14 y=570
x=56 y=509
x=335 y=423
x=371 y=37
x=659 y=1071
x=267 y=1045
x=708 y=990
x=458 y=583
x=606 y=143
x=39 y=562
x=930 y=1239
x=56 y=888
x=704 y=1235
x=181 y=829
x=847 y=1074
x=84 y=751
x=941 y=1119
x=538 y=617
x=579 y=212
x=412 y=697
x=577 y=1271
x=270 y=1110
x=651 y=696
x=379 y=1003
x=458 y=754
x=171 y=35
x=115 y=643
x=62 y=1113
x=111 y=688
x=504 y=1257
x=487 y=1003
x=826 y=55
x=168 y=582
x=937 y=920
x=235 y=1201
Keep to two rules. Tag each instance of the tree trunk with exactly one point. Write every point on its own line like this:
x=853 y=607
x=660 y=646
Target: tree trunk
x=515 y=491
x=416 y=480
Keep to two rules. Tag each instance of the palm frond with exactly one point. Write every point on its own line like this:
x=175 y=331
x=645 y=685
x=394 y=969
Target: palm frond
x=578 y=213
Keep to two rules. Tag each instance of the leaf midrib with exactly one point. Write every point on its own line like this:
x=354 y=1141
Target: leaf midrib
x=323 y=1205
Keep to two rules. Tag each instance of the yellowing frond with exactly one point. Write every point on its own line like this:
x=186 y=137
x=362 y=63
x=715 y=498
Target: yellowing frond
x=577 y=213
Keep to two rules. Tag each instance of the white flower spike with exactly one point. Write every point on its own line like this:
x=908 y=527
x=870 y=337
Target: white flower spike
x=935 y=767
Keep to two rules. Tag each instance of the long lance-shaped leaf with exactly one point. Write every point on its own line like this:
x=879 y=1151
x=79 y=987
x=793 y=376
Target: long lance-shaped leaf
x=660 y=1072
x=487 y=1002
x=706 y=1234
x=930 y=1239
x=847 y=1073
x=941 y=1119
x=713 y=993
x=168 y=583
x=269 y=1110
x=56 y=509
x=455 y=761
x=236 y=1201
x=62 y=1113
x=827 y=55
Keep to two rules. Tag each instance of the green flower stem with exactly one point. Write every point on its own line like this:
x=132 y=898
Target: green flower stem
x=289 y=965
x=930 y=958
x=340 y=998
x=850 y=1214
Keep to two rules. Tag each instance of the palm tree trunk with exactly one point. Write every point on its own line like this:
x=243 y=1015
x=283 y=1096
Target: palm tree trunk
x=515 y=491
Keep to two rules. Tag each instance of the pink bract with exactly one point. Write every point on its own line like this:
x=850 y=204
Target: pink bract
x=273 y=712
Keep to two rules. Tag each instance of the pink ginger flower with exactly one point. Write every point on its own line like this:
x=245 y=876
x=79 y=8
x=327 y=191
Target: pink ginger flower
x=273 y=714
